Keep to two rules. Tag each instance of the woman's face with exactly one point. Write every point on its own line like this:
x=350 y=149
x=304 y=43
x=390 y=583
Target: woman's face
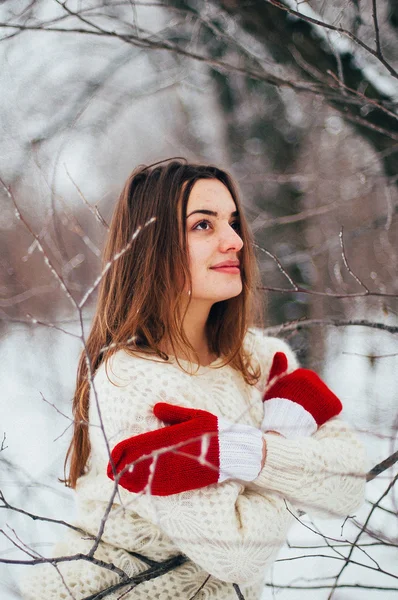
x=212 y=229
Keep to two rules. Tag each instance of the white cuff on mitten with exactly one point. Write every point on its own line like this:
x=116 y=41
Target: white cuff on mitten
x=287 y=418
x=241 y=451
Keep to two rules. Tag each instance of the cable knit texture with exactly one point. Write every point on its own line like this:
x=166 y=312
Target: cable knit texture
x=231 y=531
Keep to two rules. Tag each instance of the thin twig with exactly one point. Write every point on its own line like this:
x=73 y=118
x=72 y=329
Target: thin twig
x=94 y=210
x=280 y=267
x=301 y=323
x=113 y=259
x=238 y=591
x=382 y=466
x=340 y=30
x=3 y=446
x=35 y=517
x=39 y=244
x=348 y=558
x=343 y=252
x=300 y=290
x=377 y=33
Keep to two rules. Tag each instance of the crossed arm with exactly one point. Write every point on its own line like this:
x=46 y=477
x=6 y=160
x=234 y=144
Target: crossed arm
x=232 y=528
x=197 y=449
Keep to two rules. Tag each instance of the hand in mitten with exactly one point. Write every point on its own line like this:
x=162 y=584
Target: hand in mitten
x=297 y=403
x=194 y=451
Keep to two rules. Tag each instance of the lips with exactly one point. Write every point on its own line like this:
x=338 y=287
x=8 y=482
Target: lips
x=226 y=263
x=229 y=266
x=230 y=270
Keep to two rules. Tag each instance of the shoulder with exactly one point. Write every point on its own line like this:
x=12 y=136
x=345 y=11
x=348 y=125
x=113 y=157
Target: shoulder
x=132 y=384
x=125 y=369
x=124 y=392
x=262 y=349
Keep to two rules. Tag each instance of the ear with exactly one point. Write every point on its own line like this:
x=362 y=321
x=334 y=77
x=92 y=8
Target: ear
x=279 y=365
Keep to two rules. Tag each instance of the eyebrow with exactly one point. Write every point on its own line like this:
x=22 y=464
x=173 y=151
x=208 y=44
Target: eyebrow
x=212 y=213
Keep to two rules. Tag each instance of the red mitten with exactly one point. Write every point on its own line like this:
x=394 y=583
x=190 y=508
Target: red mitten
x=209 y=450
x=296 y=404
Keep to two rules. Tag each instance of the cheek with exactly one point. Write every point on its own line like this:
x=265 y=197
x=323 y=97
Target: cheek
x=197 y=268
x=199 y=258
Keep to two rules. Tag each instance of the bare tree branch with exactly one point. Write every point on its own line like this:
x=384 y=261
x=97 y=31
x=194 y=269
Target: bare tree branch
x=376 y=53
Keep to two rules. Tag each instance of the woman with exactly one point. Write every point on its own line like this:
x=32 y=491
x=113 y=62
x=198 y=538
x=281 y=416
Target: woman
x=196 y=439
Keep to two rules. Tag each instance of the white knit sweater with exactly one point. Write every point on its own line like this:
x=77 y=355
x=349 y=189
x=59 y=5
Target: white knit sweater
x=229 y=531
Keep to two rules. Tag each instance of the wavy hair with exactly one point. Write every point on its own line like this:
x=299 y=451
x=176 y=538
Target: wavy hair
x=145 y=270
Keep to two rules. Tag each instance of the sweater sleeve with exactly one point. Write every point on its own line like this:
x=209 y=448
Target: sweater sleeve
x=324 y=475
x=230 y=531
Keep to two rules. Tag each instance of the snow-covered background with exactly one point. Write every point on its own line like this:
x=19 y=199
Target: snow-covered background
x=78 y=113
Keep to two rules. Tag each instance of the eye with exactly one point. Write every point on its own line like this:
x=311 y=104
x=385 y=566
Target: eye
x=236 y=226
x=203 y=222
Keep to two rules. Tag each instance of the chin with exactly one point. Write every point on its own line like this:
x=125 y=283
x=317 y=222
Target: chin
x=228 y=296
x=217 y=294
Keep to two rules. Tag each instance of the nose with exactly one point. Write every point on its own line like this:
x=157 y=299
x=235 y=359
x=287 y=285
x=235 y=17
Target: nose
x=230 y=240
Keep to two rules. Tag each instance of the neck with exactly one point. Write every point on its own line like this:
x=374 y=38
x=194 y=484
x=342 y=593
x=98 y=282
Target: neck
x=194 y=327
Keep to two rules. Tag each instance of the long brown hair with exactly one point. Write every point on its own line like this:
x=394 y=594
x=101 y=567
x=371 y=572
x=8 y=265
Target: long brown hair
x=145 y=269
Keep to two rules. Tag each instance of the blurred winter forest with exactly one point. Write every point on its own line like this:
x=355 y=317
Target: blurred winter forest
x=299 y=101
